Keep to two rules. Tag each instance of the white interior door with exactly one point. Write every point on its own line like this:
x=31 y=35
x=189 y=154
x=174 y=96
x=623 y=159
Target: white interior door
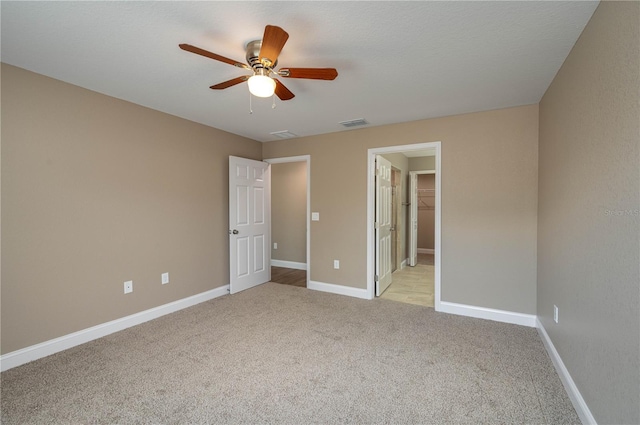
x=249 y=223
x=383 y=224
x=413 y=218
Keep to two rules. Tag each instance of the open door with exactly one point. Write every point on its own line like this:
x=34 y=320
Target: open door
x=383 y=225
x=413 y=218
x=249 y=223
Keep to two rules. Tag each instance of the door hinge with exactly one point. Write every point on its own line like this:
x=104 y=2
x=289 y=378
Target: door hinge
x=376 y=225
x=375 y=278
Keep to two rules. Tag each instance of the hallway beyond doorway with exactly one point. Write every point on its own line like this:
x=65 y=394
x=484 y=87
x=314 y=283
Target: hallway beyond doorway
x=286 y=276
x=413 y=285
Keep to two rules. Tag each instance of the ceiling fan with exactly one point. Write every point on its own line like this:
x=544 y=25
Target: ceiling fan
x=262 y=58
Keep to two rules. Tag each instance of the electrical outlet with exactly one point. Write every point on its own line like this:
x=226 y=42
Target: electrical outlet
x=336 y=264
x=165 y=278
x=275 y=245
x=555 y=313
x=128 y=286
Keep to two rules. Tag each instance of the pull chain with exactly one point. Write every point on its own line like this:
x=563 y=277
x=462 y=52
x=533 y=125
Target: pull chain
x=273 y=104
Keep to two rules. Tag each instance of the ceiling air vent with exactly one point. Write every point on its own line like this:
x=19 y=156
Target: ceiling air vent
x=354 y=123
x=284 y=134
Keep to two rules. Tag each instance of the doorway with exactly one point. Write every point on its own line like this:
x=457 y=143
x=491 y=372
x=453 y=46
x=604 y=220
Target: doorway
x=415 y=284
x=421 y=213
x=290 y=216
x=427 y=149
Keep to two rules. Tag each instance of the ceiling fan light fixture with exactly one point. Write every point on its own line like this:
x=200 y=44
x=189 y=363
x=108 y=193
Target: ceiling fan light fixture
x=261 y=85
x=262 y=58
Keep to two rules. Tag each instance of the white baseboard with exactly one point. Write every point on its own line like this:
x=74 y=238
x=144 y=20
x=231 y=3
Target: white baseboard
x=339 y=289
x=43 y=349
x=289 y=264
x=488 y=313
x=572 y=390
x=403 y=264
x=426 y=251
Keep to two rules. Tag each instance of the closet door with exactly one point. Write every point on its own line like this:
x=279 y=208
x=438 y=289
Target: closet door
x=413 y=218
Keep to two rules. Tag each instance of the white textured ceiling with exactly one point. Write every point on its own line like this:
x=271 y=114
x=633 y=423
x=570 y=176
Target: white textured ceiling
x=397 y=61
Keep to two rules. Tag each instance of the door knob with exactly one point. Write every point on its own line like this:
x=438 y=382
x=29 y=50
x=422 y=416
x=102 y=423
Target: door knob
x=234 y=231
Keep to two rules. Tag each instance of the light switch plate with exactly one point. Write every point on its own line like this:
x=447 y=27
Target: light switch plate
x=315 y=216
x=165 y=278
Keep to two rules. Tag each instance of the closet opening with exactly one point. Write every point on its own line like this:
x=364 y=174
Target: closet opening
x=290 y=195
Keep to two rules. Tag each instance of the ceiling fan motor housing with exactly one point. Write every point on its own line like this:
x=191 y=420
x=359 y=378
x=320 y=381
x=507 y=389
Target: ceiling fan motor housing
x=253 y=59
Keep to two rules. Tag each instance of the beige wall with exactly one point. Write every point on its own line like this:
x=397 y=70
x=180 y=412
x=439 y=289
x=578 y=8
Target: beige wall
x=488 y=229
x=289 y=211
x=422 y=163
x=97 y=191
x=589 y=220
x=426 y=215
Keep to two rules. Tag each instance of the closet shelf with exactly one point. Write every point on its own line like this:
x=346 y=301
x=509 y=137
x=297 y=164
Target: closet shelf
x=426 y=195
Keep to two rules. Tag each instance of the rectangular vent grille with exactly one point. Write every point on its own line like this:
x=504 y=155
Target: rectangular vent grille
x=354 y=123
x=284 y=134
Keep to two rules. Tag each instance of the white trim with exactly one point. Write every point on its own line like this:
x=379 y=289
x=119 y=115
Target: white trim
x=371 y=154
x=489 y=314
x=43 y=349
x=289 y=264
x=339 y=289
x=300 y=158
x=572 y=390
x=438 y=230
x=403 y=264
x=307 y=159
x=426 y=250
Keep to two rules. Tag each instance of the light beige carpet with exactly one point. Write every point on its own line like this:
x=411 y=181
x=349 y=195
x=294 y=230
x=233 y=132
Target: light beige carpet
x=288 y=355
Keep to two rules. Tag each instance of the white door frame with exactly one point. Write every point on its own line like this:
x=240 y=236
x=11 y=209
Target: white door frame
x=371 y=155
x=307 y=159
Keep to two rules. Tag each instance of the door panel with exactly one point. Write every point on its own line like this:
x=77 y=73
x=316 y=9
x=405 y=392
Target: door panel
x=242 y=249
x=249 y=223
x=242 y=215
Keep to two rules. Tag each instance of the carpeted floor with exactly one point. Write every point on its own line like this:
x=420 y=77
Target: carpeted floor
x=287 y=355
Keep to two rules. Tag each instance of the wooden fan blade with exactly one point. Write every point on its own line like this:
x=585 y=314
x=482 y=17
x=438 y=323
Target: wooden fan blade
x=205 y=53
x=227 y=84
x=310 y=73
x=282 y=92
x=273 y=41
